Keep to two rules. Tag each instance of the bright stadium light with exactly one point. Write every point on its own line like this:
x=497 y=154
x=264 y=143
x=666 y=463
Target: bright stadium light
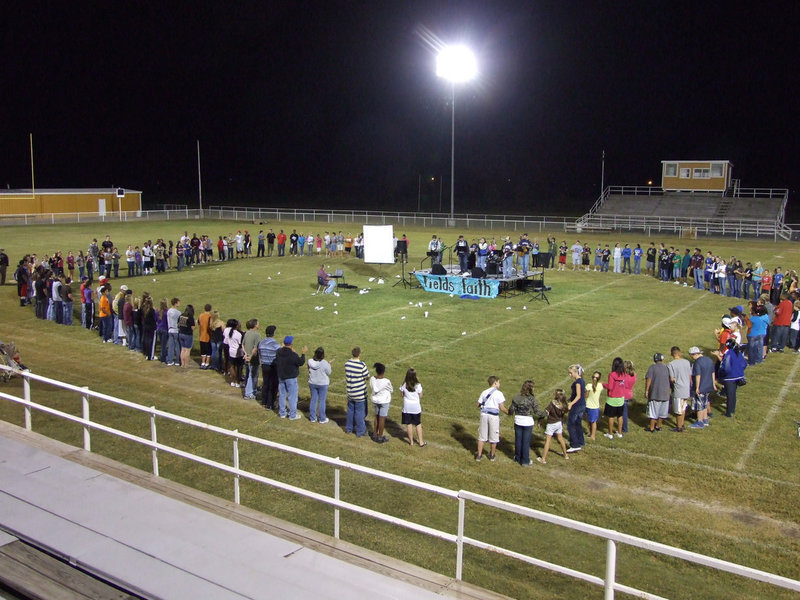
x=456 y=64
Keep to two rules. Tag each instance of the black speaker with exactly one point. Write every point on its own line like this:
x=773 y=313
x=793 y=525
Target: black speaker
x=438 y=269
x=542 y=260
x=492 y=268
x=477 y=273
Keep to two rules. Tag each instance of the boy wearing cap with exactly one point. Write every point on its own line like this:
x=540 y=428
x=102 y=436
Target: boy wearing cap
x=704 y=383
x=657 y=392
x=287 y=364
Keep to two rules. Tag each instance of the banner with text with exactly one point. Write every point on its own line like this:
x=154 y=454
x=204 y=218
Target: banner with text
x=459 y=286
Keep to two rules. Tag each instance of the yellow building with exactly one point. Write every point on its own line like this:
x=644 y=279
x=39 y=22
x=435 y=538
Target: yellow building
x=46 y=201
x=696 y=175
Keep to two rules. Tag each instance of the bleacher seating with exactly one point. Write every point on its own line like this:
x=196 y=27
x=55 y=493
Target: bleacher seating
x=712 y=213
x=755 y=208
x=662 y=205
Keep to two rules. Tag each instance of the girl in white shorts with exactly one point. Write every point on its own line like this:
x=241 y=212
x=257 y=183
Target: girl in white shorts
x=555 y=426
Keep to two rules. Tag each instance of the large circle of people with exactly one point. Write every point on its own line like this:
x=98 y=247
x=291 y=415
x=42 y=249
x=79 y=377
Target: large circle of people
x=164 y=330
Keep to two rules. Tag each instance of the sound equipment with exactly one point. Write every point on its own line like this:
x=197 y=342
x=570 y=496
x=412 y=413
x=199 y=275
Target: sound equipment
x=438 y=269
x=492 y=268
x=477 y=273
x=542 y=260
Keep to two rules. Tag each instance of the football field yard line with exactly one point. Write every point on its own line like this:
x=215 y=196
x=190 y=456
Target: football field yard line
x=642 y=333
x=439 y=347
x=776 y=406
x=590 y=501
x=612 y=449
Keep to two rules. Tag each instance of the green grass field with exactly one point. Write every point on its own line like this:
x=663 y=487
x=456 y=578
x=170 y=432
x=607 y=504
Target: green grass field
x=729 y=491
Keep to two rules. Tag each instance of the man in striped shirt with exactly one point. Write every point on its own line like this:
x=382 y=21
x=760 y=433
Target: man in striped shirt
x=356 y=374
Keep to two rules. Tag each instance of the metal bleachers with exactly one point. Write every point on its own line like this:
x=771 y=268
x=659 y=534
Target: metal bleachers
x=740 y=212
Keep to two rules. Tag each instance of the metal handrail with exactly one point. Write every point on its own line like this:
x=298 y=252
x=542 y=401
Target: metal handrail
x=612 y=537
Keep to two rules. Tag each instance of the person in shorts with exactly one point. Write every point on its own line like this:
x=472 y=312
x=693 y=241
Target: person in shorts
x=412 y=408
x=680 y=376
x=492 y=403
x=593 y=391
x=381 y=389
x=657 y=392
x=703 y=383
x=556 y=411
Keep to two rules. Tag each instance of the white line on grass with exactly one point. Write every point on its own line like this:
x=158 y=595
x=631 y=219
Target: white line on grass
x=438 y=347
x=694 y=465
x=616 y=350
x=590 y=501
x=768 y=419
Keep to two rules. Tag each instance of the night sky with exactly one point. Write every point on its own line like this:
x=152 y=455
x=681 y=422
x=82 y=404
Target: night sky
x=336 y=104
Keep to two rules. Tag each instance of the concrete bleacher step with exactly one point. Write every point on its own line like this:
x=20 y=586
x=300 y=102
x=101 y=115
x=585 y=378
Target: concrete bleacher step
x=723 y=207
x=159 y=539
x=31 y=573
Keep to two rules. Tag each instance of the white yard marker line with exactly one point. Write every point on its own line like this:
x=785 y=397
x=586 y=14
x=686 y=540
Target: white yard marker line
x=439 y=347
x=616 y=350
x=768 y=419
x=560 y=497
x=693 y=465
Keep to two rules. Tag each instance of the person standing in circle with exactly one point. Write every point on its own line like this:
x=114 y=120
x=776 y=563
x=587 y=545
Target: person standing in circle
x=319 y=378
x=412 y=408
x=577 y=406
x=526 y=410
x=492 y=403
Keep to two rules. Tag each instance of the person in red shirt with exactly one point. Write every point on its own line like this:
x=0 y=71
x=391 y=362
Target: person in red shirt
x=780 y=326
x=281 y=243
x=766 y=283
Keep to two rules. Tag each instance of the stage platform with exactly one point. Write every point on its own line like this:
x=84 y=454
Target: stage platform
x=515 y=284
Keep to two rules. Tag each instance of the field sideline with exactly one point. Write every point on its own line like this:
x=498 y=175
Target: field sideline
x=728 y=491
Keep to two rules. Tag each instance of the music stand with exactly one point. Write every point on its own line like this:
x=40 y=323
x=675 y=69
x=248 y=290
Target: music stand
x=537 y=288
x=402 y=250
x=405 y=282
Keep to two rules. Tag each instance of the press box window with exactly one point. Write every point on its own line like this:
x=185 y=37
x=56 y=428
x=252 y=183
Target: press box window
x=716 y=170
x=671 y=170
x=702 y=173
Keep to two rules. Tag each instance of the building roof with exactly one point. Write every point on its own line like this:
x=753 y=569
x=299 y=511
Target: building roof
x=52 y=191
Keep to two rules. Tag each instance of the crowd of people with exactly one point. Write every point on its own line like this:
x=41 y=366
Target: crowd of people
x=165 y=330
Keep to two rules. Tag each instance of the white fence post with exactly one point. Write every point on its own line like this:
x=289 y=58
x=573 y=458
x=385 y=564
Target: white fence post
x=460 y=539
x=26 y=393
x=611 y=569
x=336 y=497
x=236 y=497
x=154 y=439
x=87 y=435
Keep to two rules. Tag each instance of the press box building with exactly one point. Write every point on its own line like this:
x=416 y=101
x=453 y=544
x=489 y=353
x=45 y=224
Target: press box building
x=45 y=201
x=696 y=175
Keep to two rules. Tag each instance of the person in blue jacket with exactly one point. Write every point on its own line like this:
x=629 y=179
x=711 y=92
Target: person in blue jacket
x=731 y=373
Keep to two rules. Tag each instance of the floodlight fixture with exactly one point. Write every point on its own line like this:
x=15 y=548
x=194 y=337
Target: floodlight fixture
x=456 y=64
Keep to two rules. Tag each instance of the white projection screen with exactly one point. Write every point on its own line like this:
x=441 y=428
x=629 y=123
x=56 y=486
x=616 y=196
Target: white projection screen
x=379 y=244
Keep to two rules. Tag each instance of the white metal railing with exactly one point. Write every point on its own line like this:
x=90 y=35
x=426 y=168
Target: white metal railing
x=706 y=226
x=322 y=216
x=98 y=217
x=608 y=582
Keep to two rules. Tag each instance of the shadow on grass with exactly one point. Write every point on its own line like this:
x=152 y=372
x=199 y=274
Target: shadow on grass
x=467 y=440
x=395 y=430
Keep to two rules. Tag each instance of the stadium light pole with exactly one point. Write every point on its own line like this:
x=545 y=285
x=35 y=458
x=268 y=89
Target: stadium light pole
x=456 y=64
